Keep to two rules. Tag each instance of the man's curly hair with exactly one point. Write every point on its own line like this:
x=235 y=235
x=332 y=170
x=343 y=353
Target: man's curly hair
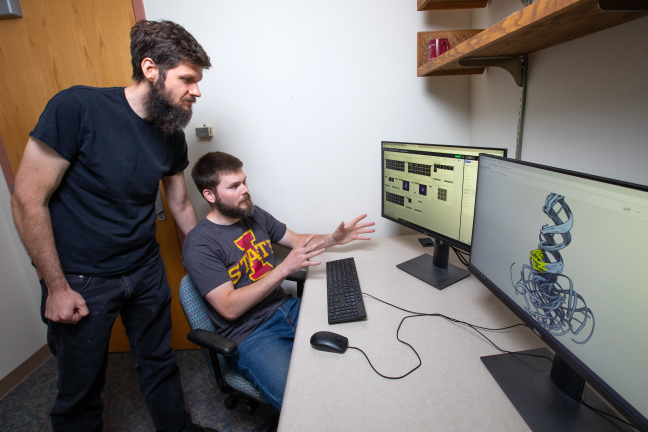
x=167 y=44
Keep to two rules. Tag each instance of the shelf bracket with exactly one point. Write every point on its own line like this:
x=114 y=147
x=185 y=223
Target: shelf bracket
x=512 y=64
x=623 y=5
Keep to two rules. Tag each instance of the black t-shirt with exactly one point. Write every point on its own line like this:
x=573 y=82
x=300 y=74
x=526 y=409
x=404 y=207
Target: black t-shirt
x=103 y=212
x=241 y=253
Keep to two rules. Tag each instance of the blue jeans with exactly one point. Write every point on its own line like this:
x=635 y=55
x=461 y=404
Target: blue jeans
x=264 y=356
x=143 y=298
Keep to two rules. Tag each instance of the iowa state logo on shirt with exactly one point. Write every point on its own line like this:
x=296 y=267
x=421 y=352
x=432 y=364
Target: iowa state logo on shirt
x=253 y=258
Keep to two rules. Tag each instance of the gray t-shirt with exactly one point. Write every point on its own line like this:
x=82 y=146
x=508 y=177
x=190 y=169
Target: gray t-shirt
x=241 y=253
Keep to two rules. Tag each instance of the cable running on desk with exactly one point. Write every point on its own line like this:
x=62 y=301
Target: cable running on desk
x=475 y=328
x=419 y=314
x=345 y=304
x=472 y=326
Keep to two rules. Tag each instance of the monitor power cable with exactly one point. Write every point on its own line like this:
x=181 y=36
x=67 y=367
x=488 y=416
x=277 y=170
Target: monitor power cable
x=607 y=414
x=419 y=314
x=456 y=321
x=475 y=328
x=464 y=257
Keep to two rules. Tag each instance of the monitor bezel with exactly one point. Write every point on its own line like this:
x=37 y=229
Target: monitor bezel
x=597 y=383
x=430 y=233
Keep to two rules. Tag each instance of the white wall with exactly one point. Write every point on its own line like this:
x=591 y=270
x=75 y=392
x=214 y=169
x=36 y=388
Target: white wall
x=304 y=92
x=22 y=331
x=587 y=101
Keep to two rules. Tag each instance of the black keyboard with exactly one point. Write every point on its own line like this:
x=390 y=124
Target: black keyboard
x=344 y=295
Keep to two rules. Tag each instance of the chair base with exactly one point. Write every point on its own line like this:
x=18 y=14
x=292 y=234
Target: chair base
x=272 y=423
x=250 y=404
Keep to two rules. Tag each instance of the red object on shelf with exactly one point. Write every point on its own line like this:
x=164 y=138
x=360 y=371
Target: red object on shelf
x=436 y=47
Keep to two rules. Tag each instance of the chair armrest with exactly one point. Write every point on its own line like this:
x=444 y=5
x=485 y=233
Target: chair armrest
x=213 y=342
x=300 y=278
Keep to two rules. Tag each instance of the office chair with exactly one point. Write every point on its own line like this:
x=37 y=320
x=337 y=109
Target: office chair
x=216 y=346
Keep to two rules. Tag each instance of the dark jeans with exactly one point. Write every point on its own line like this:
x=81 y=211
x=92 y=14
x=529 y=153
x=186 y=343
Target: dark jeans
x=143 y=298
x=264 y=356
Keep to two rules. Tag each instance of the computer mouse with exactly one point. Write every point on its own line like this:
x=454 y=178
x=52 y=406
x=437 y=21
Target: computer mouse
x=330 y=342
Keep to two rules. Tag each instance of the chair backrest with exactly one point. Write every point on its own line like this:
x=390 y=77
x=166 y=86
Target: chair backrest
x=196 y=312
x=194 y=306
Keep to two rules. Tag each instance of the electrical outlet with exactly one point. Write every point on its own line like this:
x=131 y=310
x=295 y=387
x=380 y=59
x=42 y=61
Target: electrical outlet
x=204 y=132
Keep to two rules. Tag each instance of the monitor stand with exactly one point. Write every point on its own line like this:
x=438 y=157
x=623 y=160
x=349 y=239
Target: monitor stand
x=436 y=270
x=547 y=395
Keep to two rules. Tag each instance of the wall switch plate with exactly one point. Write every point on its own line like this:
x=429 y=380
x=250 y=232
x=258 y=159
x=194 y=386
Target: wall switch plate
x=204 y=132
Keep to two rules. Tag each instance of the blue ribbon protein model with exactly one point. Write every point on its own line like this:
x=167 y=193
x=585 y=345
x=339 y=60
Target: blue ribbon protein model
x=557 y=309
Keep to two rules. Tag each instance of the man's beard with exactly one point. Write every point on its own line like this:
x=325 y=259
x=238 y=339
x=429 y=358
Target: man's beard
x=161 y=110
x=234 y=212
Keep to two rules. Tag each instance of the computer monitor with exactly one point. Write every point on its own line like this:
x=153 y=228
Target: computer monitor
x=566 y=252
x=430 y=188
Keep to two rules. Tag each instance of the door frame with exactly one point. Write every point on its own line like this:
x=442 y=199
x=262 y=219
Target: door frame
x=140 y=14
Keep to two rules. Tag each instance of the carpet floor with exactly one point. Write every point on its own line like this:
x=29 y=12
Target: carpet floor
x=26 y=408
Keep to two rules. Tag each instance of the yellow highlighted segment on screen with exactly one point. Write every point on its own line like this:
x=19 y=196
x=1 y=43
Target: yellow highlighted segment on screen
x=538 y=260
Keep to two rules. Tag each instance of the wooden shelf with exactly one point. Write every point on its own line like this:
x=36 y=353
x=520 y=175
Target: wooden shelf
x=425 y=5
x=540 y=25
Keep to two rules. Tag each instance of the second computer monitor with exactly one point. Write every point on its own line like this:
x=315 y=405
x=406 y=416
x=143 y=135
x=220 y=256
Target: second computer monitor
x=431 y=189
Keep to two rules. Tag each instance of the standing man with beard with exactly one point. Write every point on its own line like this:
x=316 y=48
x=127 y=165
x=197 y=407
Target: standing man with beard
x=84 y=207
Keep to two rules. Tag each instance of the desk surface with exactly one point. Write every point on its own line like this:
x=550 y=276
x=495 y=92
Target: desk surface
x=451 y=391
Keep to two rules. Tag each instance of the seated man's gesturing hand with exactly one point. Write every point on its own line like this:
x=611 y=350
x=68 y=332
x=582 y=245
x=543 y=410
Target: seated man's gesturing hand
x=346 y=233
x=305 y=247
x=300 y=255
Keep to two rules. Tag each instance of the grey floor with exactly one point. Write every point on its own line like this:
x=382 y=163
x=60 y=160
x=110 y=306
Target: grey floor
x=26 y=407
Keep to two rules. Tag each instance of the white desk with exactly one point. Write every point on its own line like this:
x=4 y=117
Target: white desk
x=451 y=391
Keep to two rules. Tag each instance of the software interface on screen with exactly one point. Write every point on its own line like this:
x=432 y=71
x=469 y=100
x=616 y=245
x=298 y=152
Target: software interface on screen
x=571 y=253
x=432 y=186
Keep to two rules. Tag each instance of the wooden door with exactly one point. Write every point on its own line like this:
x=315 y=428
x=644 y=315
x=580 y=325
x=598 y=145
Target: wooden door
x=58 y=44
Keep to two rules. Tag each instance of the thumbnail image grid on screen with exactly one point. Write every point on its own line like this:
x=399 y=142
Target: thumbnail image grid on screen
x=431 y=188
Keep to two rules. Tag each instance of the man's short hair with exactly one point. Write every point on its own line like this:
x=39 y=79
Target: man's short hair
x=167 y=44
x=207 y=170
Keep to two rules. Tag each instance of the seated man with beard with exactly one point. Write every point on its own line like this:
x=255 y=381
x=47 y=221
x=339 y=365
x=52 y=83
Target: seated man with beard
x=229 y=258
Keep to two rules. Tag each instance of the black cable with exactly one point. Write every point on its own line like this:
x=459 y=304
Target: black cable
x=607 y=414
x=402 y=341
x=463 y=256
x=440 y=315
x=474 y=327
